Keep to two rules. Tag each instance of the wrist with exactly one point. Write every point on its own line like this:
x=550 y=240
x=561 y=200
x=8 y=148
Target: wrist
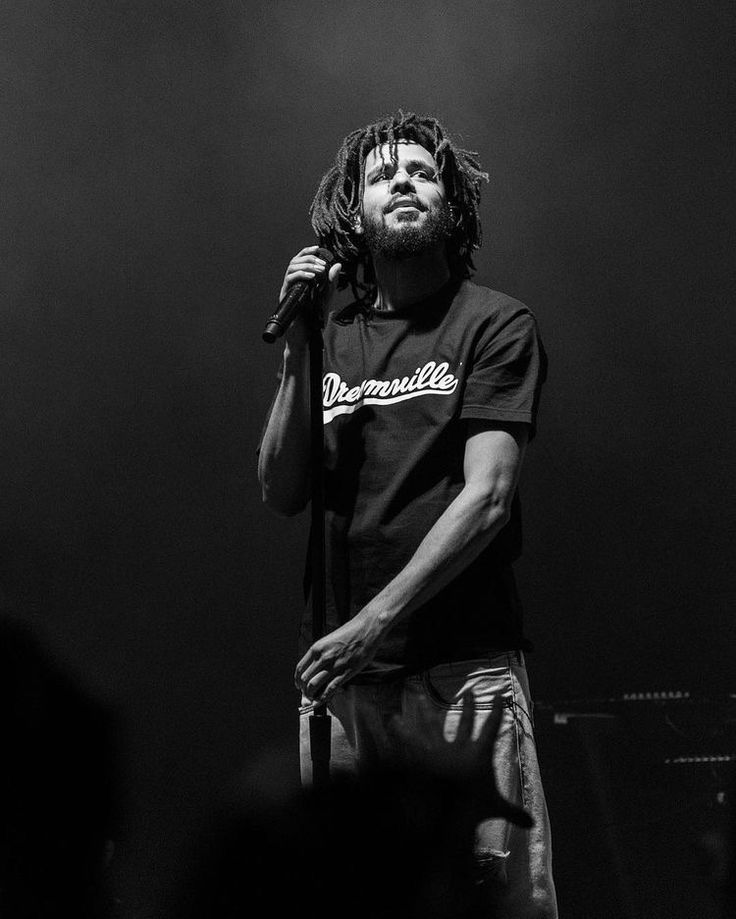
x=378 y=615
x=296 y=353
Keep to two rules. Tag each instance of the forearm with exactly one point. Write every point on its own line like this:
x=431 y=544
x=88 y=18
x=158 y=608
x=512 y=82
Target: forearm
x=491 y=464
x=469 y=523
x=465 y=528
x=284 y=458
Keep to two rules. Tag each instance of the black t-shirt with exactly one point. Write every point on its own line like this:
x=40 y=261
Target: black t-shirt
x=398 y=389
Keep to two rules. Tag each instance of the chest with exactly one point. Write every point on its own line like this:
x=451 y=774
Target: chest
x=395 y=370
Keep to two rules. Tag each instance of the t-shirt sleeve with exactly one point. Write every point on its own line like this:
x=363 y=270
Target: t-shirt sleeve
x=509 y=367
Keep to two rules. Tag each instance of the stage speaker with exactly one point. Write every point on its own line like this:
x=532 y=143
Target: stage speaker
x=640 y=791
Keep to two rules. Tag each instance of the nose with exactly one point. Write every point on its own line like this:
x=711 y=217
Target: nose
x=401 y=181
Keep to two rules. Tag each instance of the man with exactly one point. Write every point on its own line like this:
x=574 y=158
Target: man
x=431 y=388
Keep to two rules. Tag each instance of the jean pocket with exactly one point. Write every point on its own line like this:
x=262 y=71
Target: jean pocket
x=488 y=682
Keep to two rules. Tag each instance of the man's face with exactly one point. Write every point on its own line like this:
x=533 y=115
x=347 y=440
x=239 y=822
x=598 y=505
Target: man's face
x=405 y=209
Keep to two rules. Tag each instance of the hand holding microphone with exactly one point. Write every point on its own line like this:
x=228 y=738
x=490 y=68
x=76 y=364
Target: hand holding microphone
x=309 y=271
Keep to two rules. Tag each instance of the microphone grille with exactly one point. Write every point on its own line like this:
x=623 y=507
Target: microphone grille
x=325 y=255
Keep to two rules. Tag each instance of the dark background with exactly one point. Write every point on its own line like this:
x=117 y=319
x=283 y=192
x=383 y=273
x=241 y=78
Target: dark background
x=158 y=161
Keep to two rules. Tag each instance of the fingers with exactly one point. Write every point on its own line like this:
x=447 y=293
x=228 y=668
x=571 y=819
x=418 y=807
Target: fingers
x=299 y=274
x=490 y=729
x=318 y=687
x=300 y=669
x=304 y=670
x=467 y=719
x=309 y=263
x=305 y=266
x=313 y=686
x=306 y=261
x=303 y=664
x=318 y=678
x=332 y=687
x=304 y=269
x=318 y=682
x=311 y=676
x=309 y=683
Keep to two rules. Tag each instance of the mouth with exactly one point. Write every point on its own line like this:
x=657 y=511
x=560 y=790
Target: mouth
x=404 y=203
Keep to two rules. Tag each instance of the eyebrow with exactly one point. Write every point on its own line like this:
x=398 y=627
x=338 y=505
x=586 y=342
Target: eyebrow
x=409 y=164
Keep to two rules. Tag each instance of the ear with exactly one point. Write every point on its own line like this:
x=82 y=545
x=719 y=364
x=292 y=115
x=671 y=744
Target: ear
x=358 y=225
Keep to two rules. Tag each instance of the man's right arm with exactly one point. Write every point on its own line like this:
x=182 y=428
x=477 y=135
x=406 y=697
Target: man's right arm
x=284 y=457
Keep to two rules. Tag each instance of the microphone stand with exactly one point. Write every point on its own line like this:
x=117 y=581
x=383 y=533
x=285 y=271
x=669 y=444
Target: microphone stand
x=320 y=722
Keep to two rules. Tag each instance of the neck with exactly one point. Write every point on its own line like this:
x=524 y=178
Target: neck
x=402 y=282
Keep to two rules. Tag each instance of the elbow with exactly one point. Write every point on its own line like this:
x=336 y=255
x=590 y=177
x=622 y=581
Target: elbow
x=497 y=515
x=282 y=496
x=491 y=499
x=285 y=510
x=494 y=512
x=281 y=505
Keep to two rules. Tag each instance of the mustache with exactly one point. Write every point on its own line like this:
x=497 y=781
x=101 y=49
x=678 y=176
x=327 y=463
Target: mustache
x=404 y=200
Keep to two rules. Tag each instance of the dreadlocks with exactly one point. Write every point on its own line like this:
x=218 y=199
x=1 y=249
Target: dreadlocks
x=338 y=200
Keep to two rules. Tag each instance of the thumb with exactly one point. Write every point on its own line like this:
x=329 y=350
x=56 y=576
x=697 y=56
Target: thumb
x=334 y=271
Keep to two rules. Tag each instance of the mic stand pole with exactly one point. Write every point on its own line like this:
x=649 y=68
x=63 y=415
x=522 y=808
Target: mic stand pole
x=320 y=720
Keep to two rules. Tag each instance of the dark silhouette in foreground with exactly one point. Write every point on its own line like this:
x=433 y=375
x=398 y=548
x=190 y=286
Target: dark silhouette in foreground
x=56 y=787
x=395 y=841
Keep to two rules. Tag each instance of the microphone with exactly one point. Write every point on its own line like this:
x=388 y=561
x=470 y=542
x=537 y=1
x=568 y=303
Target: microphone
x=296 y=297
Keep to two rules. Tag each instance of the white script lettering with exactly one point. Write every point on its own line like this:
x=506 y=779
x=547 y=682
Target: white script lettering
x=338 y=398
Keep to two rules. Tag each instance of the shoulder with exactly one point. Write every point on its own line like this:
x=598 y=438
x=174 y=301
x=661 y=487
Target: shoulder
x=494 y=302
x=491 y=309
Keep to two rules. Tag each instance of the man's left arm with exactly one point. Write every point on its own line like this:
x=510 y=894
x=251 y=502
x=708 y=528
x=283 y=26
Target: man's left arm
x=492 y=461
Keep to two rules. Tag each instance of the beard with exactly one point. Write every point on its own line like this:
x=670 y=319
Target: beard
x=410 y=236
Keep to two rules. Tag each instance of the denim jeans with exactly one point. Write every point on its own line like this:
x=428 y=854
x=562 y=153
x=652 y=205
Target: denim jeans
x=515 y=861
